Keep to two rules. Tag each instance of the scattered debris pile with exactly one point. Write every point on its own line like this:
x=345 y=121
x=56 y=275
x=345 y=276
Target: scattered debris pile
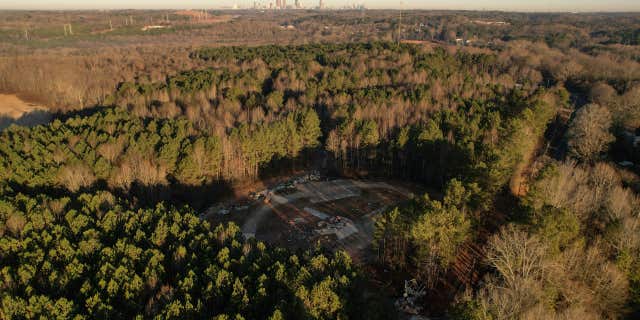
x=285 y=187
x=297 y=221
x=413 y=293
x=264 y=196
x=259 y=195
x=340 y=226
x=292 y=183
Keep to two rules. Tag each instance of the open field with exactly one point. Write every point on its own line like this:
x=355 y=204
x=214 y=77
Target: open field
x=203 y=17
x=14 y=110
x=129 y=28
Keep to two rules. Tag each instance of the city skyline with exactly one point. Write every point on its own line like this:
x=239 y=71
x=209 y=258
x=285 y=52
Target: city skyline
x=505 y=5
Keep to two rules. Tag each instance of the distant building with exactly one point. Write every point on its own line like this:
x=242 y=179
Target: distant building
x=321 y=5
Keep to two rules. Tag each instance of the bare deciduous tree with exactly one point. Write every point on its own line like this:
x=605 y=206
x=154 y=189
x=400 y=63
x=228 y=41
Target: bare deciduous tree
x=602 y=94
x=516 y=255
x=589 y=132
x=76 y=176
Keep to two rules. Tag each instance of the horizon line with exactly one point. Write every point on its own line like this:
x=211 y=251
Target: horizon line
x=227 y=8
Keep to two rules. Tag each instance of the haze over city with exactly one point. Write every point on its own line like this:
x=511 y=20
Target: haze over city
x=505 y=5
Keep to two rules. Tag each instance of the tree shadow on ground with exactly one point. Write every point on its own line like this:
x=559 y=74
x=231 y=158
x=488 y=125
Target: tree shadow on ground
x=38 y=117
x=197 y=197
x=29 y=119
x=84 y=112
x=431 y=165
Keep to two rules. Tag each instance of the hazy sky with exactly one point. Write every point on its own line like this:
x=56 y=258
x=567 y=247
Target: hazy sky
x=516 y=5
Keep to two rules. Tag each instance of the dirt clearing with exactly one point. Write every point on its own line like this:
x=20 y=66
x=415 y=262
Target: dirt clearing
x=338 y=213
x=303 y=210
x=13 y=110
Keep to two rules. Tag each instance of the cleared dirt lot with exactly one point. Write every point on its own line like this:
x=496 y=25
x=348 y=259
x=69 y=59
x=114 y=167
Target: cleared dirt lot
x=13 y=110
x=337 y=213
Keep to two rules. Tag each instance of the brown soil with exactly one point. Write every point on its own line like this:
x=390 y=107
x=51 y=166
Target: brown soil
x=15 y=110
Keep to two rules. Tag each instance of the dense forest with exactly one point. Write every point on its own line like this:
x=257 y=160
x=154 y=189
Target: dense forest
x=225 y=123
x=148 y=159
x=92 y=256
x=405 y=103
x=522 y=136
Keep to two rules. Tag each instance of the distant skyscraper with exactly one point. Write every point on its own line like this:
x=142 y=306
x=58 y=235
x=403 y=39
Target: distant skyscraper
x=284 y=4
x=278 y=4
x=321 y=6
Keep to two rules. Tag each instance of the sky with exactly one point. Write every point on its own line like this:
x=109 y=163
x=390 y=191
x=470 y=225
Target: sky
x=509 y=5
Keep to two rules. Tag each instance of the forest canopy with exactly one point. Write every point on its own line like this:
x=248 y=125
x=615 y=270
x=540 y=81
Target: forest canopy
x=520 y=131
x=91 y=256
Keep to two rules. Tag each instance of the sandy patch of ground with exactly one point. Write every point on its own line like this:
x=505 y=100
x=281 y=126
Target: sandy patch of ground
x=13 y=110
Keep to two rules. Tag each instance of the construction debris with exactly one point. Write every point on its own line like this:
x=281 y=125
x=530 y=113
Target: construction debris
x=296 y=221
x=265 y=195
x=284 y=187
x=340 y=226
x=413 y=293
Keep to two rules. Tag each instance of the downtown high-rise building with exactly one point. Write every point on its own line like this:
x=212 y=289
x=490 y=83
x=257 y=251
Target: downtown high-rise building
x=321 y=5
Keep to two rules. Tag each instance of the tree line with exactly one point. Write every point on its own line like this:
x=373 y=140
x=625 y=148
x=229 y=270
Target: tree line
x=373 y=119
x=129 y=155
